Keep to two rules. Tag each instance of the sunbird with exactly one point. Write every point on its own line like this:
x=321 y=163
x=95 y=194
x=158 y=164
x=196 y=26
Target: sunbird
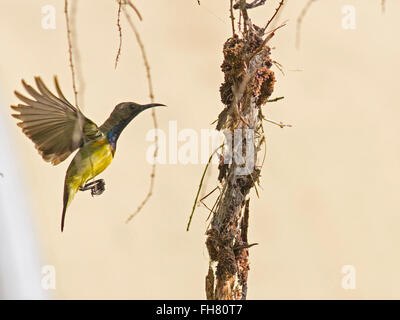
x=57 y=128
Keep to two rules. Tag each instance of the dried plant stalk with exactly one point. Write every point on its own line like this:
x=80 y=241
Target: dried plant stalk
x=153 y=112
x=71 y=60
x=249 y=82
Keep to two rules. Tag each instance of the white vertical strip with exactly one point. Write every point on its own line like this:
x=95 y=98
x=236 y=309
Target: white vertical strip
x=20 y=268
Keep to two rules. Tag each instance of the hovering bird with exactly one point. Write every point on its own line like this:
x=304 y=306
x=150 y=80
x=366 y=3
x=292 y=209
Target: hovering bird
x=57 y=129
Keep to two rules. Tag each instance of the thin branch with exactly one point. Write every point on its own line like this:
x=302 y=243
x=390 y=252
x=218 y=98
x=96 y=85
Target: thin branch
x=232 y=17
x=120 y=4
x=206 y=196
x=274 y=15
x=275 y=99
x=144 y=56
x=276 y=19
x=279 y=66
x=71 y=62
x=199 y=189
x=245 y=246
x=280 y=123
x=153 y=113
x=120 y=33
x=78 y=64
x=243 y=10
x=205 y=184
x=270 y=35
x=239 y=24
x=300 y=21
x=263 y=142
x=135 y=9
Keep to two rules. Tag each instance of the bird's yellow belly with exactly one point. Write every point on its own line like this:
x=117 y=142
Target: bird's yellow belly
x=99 y=161
x=89 y=162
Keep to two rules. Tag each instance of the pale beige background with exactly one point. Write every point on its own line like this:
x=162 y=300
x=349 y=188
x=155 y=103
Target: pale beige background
x=330 y=183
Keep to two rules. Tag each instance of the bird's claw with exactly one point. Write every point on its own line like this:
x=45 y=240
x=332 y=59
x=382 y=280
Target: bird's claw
x=96 y=187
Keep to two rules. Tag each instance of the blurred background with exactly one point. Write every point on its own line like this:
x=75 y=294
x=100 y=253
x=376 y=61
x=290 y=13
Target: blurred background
x=330 y=183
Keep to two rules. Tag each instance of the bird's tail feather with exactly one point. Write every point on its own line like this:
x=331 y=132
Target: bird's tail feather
x=66 y=196
x=69 y=193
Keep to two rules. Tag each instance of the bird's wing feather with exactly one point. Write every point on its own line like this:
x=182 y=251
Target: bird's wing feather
x=54 y=125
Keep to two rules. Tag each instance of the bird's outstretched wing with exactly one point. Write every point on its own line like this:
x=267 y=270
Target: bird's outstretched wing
x=54 y=125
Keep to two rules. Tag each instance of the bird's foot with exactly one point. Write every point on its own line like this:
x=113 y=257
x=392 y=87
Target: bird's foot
x=96 y=187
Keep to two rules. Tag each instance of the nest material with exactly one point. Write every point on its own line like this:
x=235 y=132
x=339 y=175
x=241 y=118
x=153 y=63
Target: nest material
x=248 y=83
x=238 y=55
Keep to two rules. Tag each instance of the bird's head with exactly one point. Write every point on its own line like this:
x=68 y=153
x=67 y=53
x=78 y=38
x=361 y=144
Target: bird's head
x=129 y=110
x=122 y=114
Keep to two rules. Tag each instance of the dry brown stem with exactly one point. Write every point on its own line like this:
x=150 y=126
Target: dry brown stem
x=71 y=60
x=153 y=113
x=119 y=32
x=248 y=84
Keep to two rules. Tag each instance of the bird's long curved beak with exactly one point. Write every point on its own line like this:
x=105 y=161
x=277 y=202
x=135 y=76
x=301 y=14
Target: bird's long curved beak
x=152 y=105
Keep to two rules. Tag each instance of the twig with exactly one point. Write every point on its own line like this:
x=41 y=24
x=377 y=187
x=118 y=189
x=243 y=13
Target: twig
x=240 y=22
x=206 y=196
x=120 y=4
x=120 y=33
x=243 y=10
x=274 y=15
x=279 y=66
x=200 y=185
x=144 y=56
x=276 y=19
x=264 y=142
x=232 y=17
x=245 y=246
x=153 y=113
x=270 y=35
x=300 y=20
x=74 y=40
x=205 y=184
x=280 y=123
x=275 y=99
x=71 y=62
x=135 y=9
